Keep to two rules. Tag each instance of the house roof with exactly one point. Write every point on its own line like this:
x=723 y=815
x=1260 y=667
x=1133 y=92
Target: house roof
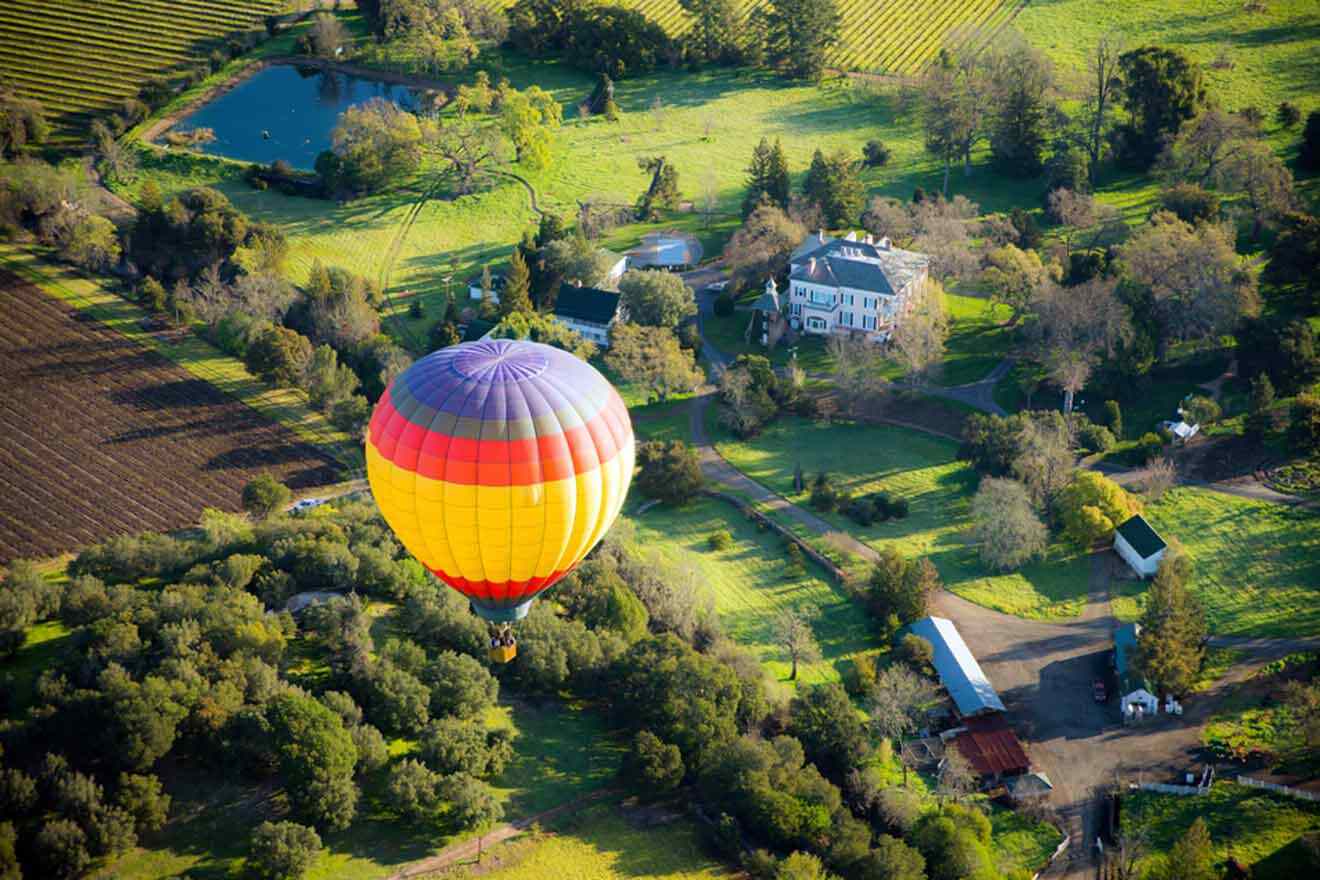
x=1141 y=537
x=1125 y=647
x=586 y=304
x=959 y=672
x=992 y=748
x=856 y=263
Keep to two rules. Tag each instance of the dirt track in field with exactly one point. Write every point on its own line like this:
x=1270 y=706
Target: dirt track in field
x=100 y=436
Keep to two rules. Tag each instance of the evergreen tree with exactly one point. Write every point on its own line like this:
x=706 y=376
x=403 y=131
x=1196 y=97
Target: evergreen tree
x=1260 y=417
x=516 y=297
x=1171 y=648
x=1022 y=79
x=767 y=175
x=1162 y=88
x=1192 y=857
x=799 y=33
x=833 y=184
x=714 y=35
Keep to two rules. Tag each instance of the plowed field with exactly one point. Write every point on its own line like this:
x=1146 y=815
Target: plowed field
x=100 y=436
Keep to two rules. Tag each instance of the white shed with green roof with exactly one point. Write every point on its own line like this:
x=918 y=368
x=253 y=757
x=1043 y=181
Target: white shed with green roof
x=1140 y=545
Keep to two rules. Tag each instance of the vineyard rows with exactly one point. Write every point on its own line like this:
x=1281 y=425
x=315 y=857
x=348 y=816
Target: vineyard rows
x=82 y=57
x=895 y=37
x=100 y=436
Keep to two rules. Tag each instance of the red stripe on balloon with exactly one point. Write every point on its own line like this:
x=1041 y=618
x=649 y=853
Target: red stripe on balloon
x=500 y=589
x=525 y=462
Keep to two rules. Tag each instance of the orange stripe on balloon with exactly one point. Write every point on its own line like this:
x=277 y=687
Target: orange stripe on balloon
x=438 y=456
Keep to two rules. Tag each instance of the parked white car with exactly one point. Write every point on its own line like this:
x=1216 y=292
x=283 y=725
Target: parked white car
x=307 y=504
x=718 y=286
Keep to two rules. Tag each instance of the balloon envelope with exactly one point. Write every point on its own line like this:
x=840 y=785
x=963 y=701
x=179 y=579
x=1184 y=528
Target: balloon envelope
x=499 y=464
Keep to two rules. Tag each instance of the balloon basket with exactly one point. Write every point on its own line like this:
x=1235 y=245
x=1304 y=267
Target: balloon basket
x=503 y=653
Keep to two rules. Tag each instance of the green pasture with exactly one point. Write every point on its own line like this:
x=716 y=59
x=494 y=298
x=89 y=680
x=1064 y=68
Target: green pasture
x=924 y=470
x=979 y=338
x=661 y=421
x=45 y=645
x=604 y=843
x=284 y=405
x=1256 y=564
x=563 y=753
x=1258 y=828
x=750 y=587
x=1021 y=843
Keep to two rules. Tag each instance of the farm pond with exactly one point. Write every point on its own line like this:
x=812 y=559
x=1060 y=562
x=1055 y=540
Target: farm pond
x=285 y=111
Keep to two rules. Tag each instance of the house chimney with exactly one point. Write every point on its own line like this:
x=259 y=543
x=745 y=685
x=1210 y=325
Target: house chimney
x=869 y=239
x=884 y=243
x=811 y=266
x=820 y=236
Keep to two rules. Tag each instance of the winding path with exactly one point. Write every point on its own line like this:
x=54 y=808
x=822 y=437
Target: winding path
x=469 y=849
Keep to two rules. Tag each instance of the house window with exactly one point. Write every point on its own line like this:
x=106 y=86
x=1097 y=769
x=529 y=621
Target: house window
x=868 y=322
x=796 y=310
x=814 y=323
x=821 y=298
x=847 y=299
x=847 y=319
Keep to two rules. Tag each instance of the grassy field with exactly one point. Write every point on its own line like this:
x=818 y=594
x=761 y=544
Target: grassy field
x=749 y=586
x=661 y=421
x=283 y=405
x=924 y=470
x=80 y=58
x=45 y=644
x=1257 y=565
x=1021 y=843
x=707 y=124
x=1258 y=828
x=562 y=754
x=603 y=843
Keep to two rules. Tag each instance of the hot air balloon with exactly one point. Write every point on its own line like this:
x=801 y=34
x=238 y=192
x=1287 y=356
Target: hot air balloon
x=500 y=464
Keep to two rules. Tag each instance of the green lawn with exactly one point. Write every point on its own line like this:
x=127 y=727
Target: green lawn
x=1021 y=843
x=924 y=470
x=978 y=338
x=1258 y=828
x=661 y=421
x=603 y=843
x=562 y=753
x=1268 y=56
x=1257 y=565
x=46 y=643
x=708 y=123
x=201 y=359
x=748 y=585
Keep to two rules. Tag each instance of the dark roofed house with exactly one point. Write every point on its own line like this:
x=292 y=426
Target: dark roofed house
x=1140 y=545
x=589 y=311
x=959 y=672
x=992 y=748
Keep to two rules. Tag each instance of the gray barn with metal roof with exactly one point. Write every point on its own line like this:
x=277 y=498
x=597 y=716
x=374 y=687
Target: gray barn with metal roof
x=959 y=672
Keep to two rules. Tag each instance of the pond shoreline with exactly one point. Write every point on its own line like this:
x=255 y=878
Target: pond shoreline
x=157 y=128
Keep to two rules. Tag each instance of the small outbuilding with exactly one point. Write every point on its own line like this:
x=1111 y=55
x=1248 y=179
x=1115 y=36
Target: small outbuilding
x=959 y=672
x=993 y=750
x=1140 y=545
x=1136 y=698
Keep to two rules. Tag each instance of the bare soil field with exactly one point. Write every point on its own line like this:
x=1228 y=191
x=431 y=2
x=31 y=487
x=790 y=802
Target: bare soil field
x=100 y=436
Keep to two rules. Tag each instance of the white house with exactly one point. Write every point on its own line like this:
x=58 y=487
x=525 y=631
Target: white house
x=1140 y=545
x=589 y=311
x=852 y=284
x=1136 y=699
